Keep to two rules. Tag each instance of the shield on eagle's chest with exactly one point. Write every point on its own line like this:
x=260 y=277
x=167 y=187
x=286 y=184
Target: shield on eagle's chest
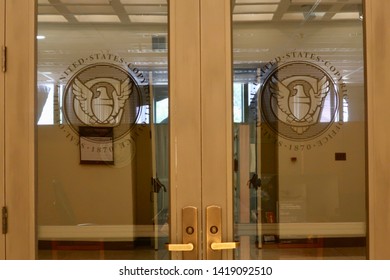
x=103 y=104
x=299 y=102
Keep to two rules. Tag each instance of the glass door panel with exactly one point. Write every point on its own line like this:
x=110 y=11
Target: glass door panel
x=102 y=129
x=299 y=129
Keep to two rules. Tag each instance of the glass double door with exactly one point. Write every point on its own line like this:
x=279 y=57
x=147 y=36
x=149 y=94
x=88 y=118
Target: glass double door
x=198 y=130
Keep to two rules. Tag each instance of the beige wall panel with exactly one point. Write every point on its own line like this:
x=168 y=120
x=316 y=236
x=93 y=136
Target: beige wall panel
x=19 y=129
x=70 y=193
x=216 y=90
x=378 y=100
x=184 y=90
x=2 y=236
x=326 y=190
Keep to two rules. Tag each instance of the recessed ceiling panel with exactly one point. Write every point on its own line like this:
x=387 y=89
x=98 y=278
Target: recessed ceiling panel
x=91 y=9
x=326 y=1
x=50 y=10
x=97 y=18
x=245 y=9
x=90 y=2
x=293 y=16
x=145 y=2
x=346 y=16
x=148 y=19
x=51 y=18
x=253 y=17
x=146 y=10
x=256 y=1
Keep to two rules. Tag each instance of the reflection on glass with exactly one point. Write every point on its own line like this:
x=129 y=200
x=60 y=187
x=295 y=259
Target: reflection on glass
x=299 y=130
x=102 y=66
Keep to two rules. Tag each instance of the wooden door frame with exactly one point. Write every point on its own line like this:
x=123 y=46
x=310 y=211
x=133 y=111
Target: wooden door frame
x=216 y=108
x=2 y=87
x=184 y=114
x=200 y=131
x=377 y=52
x=19 y=128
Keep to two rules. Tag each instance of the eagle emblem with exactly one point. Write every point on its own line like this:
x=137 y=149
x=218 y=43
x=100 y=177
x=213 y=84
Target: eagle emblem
x=101 y=101
x=297 y=101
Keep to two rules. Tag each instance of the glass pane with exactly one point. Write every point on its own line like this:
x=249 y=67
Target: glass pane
x=299 y=129
x=102 y=130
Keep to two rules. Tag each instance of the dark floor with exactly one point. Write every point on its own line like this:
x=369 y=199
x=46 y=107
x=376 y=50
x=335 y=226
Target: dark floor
x=340 y=253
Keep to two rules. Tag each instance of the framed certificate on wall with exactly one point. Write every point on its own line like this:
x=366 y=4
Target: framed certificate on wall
x=96 y=145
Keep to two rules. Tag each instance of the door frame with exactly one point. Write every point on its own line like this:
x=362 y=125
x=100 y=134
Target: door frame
x=18 y=129
x=2 y=87
x=377 y=56
x=184 y=114
x=217 y=114
x=201 y=144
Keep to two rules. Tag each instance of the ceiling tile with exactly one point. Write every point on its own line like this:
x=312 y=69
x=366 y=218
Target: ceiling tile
x=354 y=15
x=97 y=18
x=293 y=16
x=242 y=9
x=51 y=18
x=256 y=1
x=146 y=10
x=47 y=10
x=145 y=2
x=148 y=19
x=91 y=9
x=252 y=17
x=91 y=2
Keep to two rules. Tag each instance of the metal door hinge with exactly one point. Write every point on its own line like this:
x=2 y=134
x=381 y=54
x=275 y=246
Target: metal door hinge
x=4 y=214
x=4 y=58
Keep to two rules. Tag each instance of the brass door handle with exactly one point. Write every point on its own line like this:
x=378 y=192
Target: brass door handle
x=224 y=245
x=189 y=233
x=180 y=247
x=214 y=244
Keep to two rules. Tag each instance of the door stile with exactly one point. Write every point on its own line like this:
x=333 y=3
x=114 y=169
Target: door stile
x=377 y=59
x=2 y=190
x=216 y=92
x=20 y=81
x=184 y=112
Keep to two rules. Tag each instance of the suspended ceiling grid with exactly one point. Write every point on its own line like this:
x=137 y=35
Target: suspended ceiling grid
x=331 y=28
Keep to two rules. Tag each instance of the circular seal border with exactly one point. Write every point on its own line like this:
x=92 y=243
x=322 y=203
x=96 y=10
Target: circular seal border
x=267 y=100
x=69 y=84
x=307 y=57
x=126 y=145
